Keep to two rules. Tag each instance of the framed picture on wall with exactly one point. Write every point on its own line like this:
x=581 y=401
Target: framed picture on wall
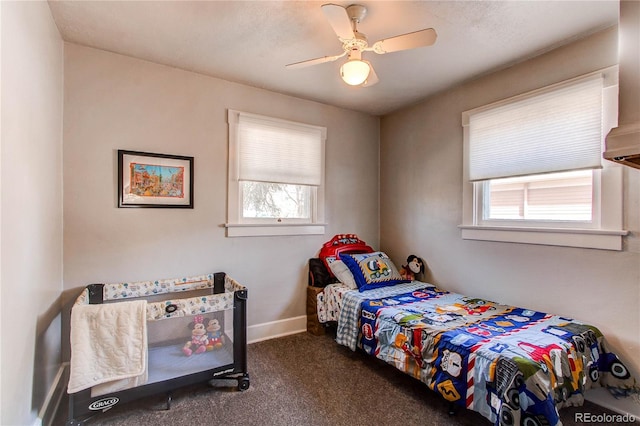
x=154 y=180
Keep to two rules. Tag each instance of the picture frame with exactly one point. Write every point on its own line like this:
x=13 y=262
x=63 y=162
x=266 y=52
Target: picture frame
x=152 y=180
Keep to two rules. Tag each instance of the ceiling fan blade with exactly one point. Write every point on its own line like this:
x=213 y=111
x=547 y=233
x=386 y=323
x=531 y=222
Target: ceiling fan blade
x=372 y=78
x=339 y=20
x=315 y=61
x=420 y=38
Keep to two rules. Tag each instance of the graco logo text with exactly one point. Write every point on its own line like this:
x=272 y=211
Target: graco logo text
x=604 y=418
x=104 y=404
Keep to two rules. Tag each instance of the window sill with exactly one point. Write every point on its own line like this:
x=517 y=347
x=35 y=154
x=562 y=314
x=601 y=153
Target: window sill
x=268 y=230
x=584 y=238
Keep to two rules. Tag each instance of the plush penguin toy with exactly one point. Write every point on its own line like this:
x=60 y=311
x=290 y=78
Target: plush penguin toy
x=414 y=269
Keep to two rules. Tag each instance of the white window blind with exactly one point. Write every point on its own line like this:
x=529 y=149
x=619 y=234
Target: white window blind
x=558 y=130
x=279 y=151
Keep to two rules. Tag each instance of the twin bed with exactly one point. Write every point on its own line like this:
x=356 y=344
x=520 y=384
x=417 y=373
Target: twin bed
x=515 y=366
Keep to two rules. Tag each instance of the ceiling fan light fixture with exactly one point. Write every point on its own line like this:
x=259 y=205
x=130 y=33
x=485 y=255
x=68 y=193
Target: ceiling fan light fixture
x=354 y=72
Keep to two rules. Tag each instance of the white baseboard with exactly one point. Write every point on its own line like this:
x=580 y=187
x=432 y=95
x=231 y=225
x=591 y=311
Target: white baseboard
x=273 y=329
x=53 y=398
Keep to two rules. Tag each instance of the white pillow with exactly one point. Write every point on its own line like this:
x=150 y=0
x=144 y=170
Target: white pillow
x=342 y=273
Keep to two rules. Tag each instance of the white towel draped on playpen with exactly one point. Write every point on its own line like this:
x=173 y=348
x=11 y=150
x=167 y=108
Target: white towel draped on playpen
x=108 y=347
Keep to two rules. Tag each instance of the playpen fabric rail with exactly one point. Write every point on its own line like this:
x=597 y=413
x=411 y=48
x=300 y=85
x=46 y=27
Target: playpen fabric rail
x=179 y=307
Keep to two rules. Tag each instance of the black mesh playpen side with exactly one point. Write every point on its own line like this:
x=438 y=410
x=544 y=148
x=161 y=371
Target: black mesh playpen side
x=82 y=405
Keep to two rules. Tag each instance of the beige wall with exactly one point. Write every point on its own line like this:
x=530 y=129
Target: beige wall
x=421 y=175
x=31 y=228
x=115 y=102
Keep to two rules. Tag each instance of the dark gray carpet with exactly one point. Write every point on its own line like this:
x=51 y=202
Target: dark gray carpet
x=305 y=380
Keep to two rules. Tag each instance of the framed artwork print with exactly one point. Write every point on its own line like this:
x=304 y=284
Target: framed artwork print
x=154 y=180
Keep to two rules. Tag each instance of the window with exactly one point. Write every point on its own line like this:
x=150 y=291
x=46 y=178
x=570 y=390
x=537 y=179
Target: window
x=276 y=176
x=534 y=171
x=565 y=197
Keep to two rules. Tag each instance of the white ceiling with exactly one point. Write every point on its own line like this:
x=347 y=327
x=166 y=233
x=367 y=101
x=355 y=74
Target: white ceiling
x=250 y=42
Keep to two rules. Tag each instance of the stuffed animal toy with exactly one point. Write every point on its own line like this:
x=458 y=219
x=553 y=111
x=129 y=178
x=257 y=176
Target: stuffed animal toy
x=199 y=339
x=216 y=339
x=414 y=269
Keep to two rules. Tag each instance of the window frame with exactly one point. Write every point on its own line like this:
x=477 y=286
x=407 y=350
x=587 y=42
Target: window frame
x=239 y=226
x=606 y=230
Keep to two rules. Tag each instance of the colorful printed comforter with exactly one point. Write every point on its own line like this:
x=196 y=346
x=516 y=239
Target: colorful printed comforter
x=512 y=365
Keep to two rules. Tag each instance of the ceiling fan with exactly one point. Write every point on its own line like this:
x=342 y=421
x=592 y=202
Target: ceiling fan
x=356 y=71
